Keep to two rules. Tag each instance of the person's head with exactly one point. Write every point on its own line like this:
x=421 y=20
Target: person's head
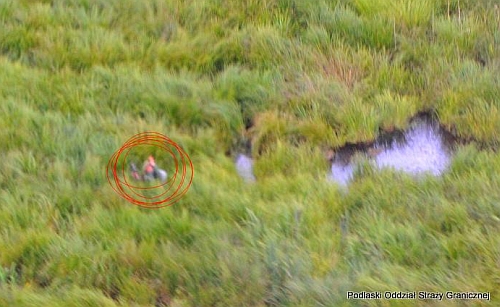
x=151 y=160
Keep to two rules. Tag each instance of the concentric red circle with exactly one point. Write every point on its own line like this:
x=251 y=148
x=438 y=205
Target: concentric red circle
x=171 y=190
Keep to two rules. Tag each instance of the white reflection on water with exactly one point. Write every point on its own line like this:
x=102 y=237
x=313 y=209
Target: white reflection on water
x=422 y=149
x=342 y=173
x=244 y=167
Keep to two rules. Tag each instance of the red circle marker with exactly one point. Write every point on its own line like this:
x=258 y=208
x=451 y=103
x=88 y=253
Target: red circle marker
x=171 y=190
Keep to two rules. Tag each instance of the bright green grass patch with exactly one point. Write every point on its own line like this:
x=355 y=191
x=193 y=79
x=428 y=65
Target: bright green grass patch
x=409 y=13
x=470 y=104
x=94 y=46
x=360 y=121
x=463 y=34
x=289 y=161
x=358 y=31
x=395 y=110
x=252 y=92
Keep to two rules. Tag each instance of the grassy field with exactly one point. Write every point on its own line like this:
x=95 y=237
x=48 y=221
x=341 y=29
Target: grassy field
x=79 y=77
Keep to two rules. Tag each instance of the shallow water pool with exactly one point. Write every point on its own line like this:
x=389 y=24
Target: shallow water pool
x=423 y=148
x=244 y=167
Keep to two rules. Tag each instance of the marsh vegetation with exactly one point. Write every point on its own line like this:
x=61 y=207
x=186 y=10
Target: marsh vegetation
x=79 y=77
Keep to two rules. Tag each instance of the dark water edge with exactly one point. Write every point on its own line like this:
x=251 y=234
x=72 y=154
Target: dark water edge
x=425 y=147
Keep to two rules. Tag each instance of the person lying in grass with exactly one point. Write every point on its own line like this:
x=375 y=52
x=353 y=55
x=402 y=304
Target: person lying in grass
x=150 y=171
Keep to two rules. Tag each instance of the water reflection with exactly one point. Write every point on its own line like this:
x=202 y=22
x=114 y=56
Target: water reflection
x=342 y=173
x=423 y=148
x=244 y=167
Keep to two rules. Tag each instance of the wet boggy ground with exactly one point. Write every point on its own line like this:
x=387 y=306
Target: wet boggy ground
x=425 y=147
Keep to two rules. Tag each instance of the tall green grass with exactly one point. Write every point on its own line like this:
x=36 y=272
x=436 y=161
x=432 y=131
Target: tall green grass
x=80 y=77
